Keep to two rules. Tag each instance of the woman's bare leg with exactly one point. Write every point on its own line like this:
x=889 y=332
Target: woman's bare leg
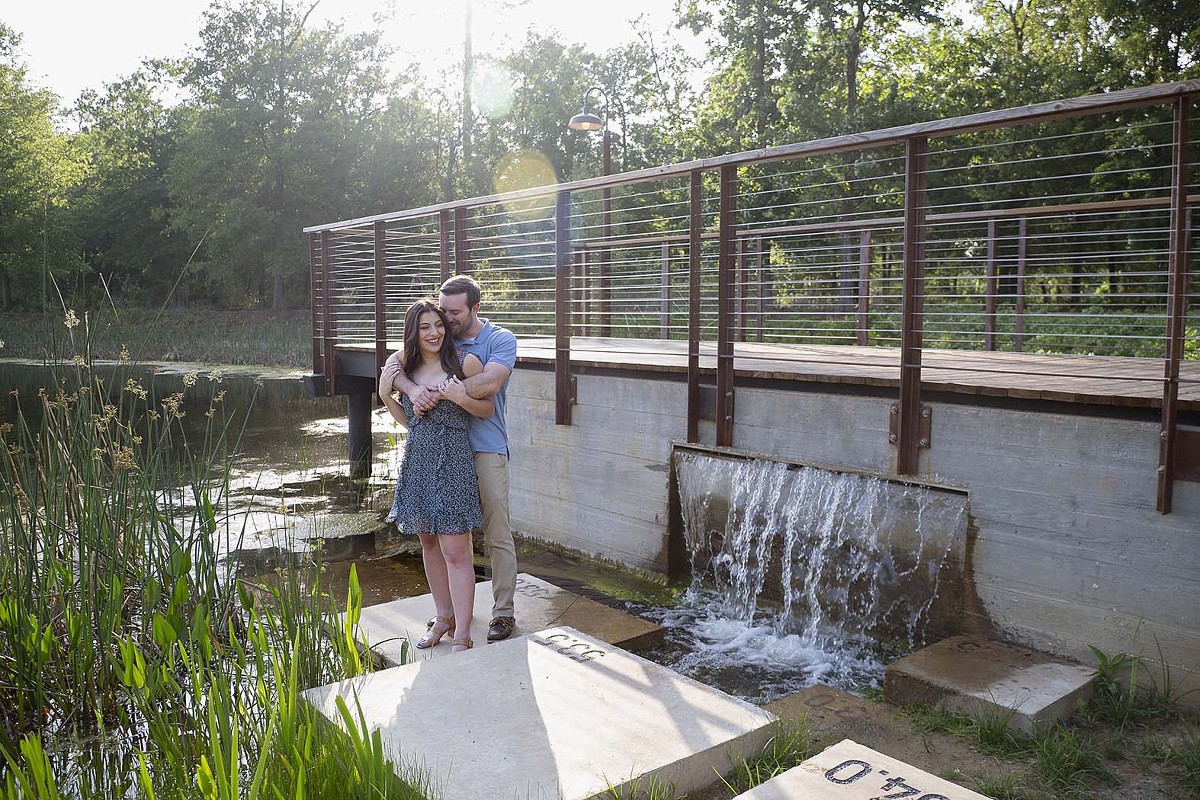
x=456 y=552
x=435 y=574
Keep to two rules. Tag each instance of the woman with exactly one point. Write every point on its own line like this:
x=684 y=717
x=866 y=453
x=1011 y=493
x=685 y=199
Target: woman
x=437 y=496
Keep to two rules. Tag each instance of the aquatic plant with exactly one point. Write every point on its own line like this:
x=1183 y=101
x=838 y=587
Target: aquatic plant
x=134 y=659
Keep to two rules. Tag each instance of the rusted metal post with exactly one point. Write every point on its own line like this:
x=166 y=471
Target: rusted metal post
x=695 y=221
x=1177 y=275
x=444 y=243
x=358 y=418
x=462 y=243
x=989 y=289
x=563 y=396
x=912 y=303
x=726 y=278
x=864 y=286
x=328 y=327
x=664 y=303
x=381 y=293
x=1019 y=321
x=314 y=261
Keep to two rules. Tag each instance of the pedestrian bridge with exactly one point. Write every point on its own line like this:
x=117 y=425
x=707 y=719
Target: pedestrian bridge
x=1002 y=304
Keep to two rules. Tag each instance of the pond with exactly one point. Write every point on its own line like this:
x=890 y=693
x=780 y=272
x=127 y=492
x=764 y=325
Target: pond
x=287 y=489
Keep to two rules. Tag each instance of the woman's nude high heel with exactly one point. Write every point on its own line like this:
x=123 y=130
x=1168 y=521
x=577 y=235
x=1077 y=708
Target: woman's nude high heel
x=440 y=627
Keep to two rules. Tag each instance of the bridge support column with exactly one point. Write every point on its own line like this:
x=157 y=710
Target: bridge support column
x=358 y=409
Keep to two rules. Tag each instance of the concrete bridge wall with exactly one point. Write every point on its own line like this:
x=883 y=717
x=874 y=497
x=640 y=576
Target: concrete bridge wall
x=1066 y=549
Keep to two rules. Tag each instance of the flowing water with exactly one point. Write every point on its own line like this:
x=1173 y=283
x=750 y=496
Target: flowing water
x=802 y=575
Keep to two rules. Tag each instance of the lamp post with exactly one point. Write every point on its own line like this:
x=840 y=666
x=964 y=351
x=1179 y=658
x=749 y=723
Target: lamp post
x=587 y=121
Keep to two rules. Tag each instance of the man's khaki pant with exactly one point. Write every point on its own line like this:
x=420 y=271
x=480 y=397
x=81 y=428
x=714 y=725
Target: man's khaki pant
x=492 y=472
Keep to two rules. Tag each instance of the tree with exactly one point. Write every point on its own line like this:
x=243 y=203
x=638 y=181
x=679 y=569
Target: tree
x=37 y=165
x=122 y=207
x=280 y=118
x=751 y=51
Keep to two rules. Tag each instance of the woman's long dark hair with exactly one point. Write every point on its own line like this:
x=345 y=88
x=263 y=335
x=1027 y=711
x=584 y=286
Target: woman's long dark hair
x=412 y=337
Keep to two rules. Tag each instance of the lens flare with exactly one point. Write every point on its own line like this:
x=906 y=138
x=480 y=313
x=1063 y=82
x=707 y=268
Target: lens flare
x=492 y=89
x=525 y=169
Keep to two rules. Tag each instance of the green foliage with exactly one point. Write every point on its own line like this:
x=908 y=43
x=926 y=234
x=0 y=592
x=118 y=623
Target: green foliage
x=1067 y=761
x=1121 y=696
x=640 y=789
x=282 y=123
x=792 y=743
x=994 y=732
x=187 y=335
x=132 y=658
x=1003 y=788
x=991 y=730
x=1186 y=756
x=121 y=207
x=37 y=165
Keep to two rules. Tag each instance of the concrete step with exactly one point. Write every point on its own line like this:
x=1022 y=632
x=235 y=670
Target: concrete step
x=386 y=626
x=979 y=677
x=554 y=714
x=849 y=771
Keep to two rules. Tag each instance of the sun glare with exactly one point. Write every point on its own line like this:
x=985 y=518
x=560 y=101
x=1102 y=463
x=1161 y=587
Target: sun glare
x=525 y=169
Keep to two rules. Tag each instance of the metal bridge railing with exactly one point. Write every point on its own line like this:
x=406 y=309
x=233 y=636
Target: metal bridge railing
x=1063 y=227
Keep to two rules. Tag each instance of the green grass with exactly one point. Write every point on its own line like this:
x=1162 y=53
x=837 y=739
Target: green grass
x=1077 y=759
x=1067 y=762
x=1124 y=695
x=1005 y=787
x=643 y=790
x=134 y=660
x=281 y=339
x=1185 y=756
x=792 y=744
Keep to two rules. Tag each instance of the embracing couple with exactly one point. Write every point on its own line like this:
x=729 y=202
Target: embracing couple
x=451 y=372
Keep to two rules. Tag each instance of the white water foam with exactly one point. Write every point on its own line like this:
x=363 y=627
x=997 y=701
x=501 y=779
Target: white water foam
x=750 y=658
x=842 y=556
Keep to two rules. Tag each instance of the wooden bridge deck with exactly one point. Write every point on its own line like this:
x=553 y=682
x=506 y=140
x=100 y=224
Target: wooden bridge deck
x=1091 y=380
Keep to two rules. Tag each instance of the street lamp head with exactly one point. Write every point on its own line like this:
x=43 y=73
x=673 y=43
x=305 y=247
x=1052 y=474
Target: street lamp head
x=583 y=121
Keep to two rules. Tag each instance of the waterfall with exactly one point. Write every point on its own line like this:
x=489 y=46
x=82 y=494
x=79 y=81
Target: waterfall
x=810 y=562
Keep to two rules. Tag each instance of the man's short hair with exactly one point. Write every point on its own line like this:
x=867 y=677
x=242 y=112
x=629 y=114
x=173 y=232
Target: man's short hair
x=463 y=284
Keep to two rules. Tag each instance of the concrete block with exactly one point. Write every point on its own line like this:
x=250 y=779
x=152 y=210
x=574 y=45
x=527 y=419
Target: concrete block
x=971 y=675
x=849 y=771
x=387 y=626
x=556 y=714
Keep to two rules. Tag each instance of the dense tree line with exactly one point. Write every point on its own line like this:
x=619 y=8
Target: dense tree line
x=190 y=180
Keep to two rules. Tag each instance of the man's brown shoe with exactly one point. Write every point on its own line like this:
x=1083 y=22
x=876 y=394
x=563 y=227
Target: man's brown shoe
x=501 y=628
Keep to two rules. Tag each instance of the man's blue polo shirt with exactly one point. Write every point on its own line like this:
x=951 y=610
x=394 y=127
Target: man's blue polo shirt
x=492 y=343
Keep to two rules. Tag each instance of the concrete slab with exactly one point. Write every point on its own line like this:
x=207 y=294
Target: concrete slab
x=556 y=714
x=539 y=605
x=976 y=676
x=849 y=771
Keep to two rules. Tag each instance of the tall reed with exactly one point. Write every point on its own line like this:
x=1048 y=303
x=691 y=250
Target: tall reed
x=134 y=660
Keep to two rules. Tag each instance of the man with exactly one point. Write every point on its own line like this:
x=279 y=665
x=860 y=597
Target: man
x=497 y=349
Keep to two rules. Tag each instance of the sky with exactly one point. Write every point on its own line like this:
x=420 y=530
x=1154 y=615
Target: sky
x=72 y=45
